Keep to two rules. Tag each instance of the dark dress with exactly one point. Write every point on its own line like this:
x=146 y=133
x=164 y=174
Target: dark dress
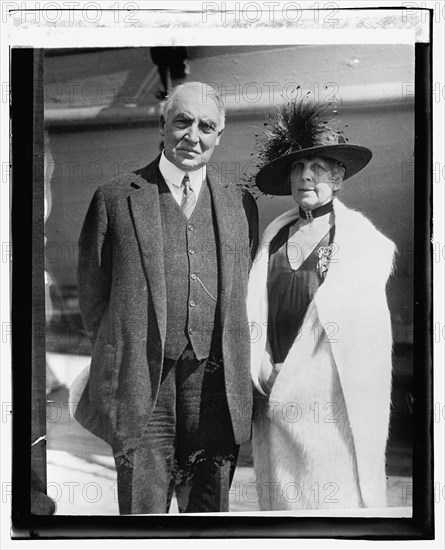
x=290 y=291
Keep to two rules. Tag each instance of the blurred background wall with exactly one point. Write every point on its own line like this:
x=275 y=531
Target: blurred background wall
x=102 y=116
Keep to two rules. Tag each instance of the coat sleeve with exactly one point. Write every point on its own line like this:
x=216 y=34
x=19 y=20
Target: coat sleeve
x=94 y=267
x=251 y=210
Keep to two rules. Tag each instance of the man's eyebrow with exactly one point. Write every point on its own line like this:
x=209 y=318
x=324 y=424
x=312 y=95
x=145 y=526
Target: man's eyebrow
x=209 y=121
x=183 y=114
x=188 y=116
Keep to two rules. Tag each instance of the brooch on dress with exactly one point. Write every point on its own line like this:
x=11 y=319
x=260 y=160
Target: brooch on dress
x=324 y=256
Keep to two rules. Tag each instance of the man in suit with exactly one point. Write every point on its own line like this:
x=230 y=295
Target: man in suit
x=164 y=256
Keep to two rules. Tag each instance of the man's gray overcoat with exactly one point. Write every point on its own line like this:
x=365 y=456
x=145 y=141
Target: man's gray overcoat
x=123 y=302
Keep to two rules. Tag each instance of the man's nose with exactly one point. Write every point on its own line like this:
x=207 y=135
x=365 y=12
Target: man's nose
x=193 y=133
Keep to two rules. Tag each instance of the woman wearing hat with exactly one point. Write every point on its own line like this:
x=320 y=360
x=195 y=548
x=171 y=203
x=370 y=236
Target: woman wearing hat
x=320 y=327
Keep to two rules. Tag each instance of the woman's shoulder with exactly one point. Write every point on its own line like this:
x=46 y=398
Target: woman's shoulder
x=364 y=236
x=365 y=227
x=281 y=221
x=279 y=241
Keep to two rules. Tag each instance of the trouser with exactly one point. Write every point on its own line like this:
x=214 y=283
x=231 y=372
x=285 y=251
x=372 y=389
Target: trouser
x=187 y=446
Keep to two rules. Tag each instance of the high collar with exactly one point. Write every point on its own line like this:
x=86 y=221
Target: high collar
x=174 y=175
x=310 y=215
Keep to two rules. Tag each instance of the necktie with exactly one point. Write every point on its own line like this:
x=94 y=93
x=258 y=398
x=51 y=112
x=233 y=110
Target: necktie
x=189 y=197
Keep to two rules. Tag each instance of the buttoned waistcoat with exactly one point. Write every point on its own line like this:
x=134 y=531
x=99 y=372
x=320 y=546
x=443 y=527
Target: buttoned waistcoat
x=191 y=276
x=122 y=297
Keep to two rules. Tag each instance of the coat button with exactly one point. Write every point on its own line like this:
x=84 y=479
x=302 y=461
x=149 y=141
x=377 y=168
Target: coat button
x=190 y=227
x=190 y=331
x=192 y=303
x=191 y=252
x=193 y=276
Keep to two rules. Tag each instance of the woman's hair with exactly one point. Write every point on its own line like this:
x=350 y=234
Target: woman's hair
x=336 y=169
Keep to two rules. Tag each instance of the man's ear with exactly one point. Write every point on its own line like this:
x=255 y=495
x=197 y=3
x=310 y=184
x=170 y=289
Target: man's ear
x=219 y=137
x=162 y=125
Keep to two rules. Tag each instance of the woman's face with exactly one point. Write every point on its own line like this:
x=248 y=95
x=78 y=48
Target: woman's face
x=312 y=182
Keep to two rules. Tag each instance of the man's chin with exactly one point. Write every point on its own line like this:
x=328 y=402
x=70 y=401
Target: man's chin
x=191 y=164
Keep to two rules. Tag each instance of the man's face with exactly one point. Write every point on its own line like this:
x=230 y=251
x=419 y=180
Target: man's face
x=190 y=131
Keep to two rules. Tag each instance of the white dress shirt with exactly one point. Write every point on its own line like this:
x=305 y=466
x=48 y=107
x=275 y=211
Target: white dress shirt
x=173 y=177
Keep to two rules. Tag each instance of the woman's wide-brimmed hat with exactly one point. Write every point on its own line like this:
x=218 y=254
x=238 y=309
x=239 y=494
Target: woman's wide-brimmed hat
x=300 y=129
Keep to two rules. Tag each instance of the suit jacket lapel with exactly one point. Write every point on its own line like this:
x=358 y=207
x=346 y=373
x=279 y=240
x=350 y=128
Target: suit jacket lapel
x=148 y=226
x=226 y=215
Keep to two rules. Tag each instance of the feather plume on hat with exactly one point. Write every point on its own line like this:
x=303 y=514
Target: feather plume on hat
x=296 y=126
x=298 y=129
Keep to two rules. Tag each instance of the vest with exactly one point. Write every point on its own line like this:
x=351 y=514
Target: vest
x=191 y=274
